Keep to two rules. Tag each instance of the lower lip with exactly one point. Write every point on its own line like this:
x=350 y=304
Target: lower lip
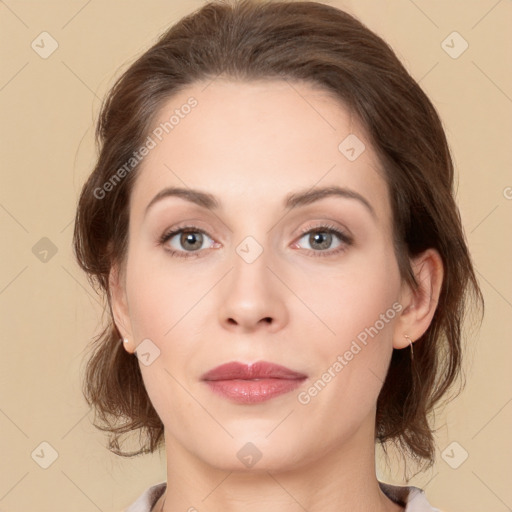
x=253 y=391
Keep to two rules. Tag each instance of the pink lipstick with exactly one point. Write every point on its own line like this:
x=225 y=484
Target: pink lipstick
x=254 y=383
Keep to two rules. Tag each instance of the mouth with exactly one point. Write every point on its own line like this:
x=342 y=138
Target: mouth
x=253 y=383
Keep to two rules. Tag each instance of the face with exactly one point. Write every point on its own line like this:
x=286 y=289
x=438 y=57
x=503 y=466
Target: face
x=265 y=268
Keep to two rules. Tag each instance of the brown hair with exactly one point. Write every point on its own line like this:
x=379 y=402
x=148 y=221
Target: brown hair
x=302 y=41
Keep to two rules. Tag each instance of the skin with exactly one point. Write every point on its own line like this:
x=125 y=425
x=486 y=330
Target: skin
x=250 y=144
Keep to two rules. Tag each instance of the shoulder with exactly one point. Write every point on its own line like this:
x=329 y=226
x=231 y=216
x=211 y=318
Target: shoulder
x=413 y=498
x=147 y=499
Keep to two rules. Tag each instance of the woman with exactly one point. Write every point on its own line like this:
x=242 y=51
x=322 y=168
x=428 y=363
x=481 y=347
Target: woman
x=271 y=219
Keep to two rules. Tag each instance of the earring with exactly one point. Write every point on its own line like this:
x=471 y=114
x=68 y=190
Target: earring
x=408 y=338
x=125 y=343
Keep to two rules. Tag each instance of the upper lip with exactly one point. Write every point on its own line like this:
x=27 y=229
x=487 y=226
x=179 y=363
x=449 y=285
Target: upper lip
x=257 y=370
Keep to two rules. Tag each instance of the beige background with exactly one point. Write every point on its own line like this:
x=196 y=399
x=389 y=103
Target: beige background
x=49 y=313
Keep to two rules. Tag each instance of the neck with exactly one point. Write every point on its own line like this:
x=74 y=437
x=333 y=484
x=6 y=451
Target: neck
x=340 y=480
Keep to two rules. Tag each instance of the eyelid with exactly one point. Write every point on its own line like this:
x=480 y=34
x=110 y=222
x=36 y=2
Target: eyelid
x=329 y=227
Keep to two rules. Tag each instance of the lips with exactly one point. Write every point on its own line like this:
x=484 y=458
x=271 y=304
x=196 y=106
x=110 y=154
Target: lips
x=252 y=384
x=258 y=370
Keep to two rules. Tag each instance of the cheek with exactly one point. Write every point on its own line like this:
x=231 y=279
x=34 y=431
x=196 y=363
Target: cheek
x=352 y=363
x=355 y=297
x=353 y=353
x=157 y=298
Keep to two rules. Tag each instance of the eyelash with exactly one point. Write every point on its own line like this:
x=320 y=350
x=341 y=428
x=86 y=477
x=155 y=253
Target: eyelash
x=324 y=228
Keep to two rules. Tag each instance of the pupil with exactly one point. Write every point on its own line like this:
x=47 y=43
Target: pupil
x=318 y=237
x=190 y=238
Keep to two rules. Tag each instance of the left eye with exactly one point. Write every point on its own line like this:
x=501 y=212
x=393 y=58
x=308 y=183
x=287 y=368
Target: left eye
x=322 y=239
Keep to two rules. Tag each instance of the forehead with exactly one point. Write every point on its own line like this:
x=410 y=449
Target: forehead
x=248 y=142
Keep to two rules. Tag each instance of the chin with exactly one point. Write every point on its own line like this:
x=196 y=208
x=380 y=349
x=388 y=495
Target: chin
x=254 y=454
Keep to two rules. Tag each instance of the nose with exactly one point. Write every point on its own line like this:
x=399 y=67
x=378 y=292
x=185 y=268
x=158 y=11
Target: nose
x=252 y=297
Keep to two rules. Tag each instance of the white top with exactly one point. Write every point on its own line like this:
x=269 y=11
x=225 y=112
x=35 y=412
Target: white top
x=413 y=498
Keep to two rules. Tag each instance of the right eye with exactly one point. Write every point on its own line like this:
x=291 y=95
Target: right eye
x=188 y=239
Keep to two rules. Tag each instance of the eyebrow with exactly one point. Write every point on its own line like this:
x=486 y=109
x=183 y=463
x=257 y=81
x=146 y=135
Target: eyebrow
x=292 y=201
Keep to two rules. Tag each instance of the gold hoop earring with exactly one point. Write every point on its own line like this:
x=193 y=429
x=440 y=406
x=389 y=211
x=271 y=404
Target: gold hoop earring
x=408 y=338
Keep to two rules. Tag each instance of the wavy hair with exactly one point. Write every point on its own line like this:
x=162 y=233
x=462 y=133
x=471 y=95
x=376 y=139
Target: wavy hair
x=325 y=46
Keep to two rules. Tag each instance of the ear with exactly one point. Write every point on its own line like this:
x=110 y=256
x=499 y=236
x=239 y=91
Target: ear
x=119 y=303
x=419 y=304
